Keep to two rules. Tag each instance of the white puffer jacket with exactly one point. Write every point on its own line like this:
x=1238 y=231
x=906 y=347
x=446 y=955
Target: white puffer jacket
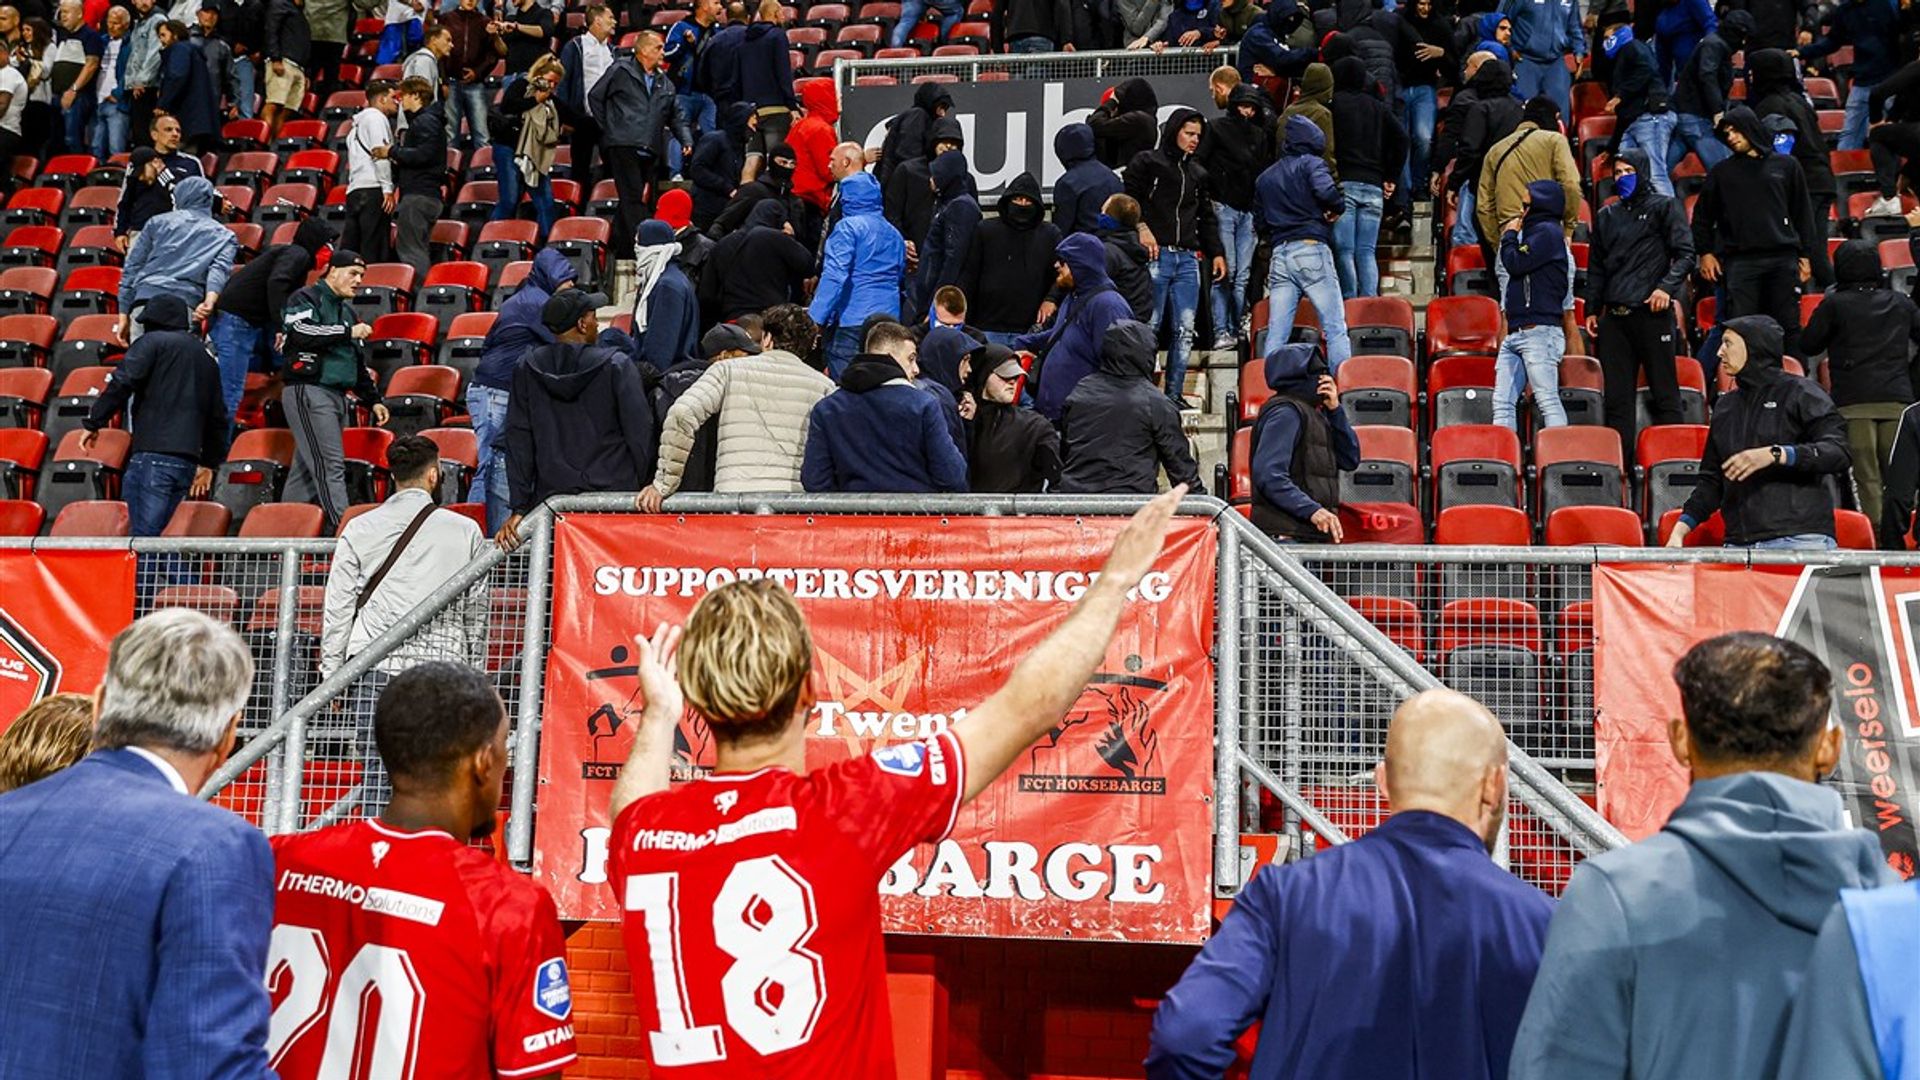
x=763 y=403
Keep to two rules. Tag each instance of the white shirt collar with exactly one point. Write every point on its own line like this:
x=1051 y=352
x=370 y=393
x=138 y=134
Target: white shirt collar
x=166 y=769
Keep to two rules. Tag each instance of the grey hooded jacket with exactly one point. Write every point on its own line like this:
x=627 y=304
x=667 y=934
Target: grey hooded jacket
x=183 y=253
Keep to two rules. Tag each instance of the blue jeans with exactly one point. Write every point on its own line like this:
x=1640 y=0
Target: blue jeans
x=911 y=12
x=1796 y=542
x=1230 y=296
x=1356 y=238
x=1853 y=134
x=237 y=345
x=1653 y=132
x=469 y=101
x=702 y=114
x=154 y=484
x=110 y=130
x=1305 y=268
x=1529 y=357
x=245 y=76
x=507 y=180
x=1422 y=109
x=1464 y=234
x=1695 y=133
x=1532 y=78
x=842 y=347
x=1176 y=276
x=1030 y=44
x=488 y=409
x=78 y=120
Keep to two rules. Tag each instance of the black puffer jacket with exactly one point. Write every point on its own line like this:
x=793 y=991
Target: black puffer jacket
x=1639 y=245
x=908 y=133
x=1123 y=125
x=1171 y=187
x=1372 y=144
x=1238 y=147
x=1704 y=81
x=1118 y=429
x=1774 y=89
x=1771 y=408
x=1009 y=264
x=1866 y=329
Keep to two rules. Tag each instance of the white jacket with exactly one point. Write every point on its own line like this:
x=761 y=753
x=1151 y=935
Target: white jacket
x=445 y=545
x=763 y=402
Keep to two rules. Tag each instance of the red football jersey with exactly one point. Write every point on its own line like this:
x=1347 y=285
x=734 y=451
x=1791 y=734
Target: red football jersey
x=409 y=955
x=753 y=910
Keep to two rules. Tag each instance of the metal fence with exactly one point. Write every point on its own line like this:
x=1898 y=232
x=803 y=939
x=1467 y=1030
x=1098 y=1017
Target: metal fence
x=1108 y=65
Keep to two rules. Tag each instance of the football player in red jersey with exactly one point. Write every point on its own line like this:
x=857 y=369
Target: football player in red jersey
x=465 y=957
x=751 y=896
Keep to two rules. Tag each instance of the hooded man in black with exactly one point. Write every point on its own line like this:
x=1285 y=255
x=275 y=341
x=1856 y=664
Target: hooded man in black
x=1774 y=90
x=1775 y=446
x=1266 y=44
x=1170 y=185
x=774 y=182
x=1641 y=256
x=717 y=161
x=1085 y=185
x=1009 y=265
x=1235 y=149
x=1010 y=450
x=1302 y=440
x=910 y=133
x=1372 y=151
x=1754 y=224
x=247 y=316
x=1124 y=124
x=907 y=197
x=1867 y=331
x=1701 y=89
x=755 y=268
x=955 y=217
x=1117 y=430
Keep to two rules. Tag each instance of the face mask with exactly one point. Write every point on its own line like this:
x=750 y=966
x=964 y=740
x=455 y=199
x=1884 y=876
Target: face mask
x=1106 y=221
x=1626 y=185
x=1783 y=143
x=1616 y=40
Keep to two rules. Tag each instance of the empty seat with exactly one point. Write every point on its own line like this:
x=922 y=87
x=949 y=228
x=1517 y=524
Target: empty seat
x=1578 y=466
x=1381 y=325
x=88 y=245
x=1475 y=465
x=254 y=472
x=90 y=517
x=508 y=281
x=27 y=340
x=421 y=397
x=20 y=517
x=250 y=168
x=34 y=206
x=452 y=289
x=198 y=517
x=88 y=290
x=366 y=453
x=400 y=340
x=1853 y=531
x=1583 y=390
x=27 y=290
x=77 y=475
x=1379 y=390
x=503 y=242
x=1467 y=271
x=285 y=521
x=89 y=341
x=386 y=288
x=32 y=245
x=1667 y=457
x=285 y=202
x=1462 y=324
x=316 y=167
x=1614 y=526
x=1460 y=390
x=91 y=206
x=1490 y=650
x=23 y=396
x=1249 y=395
x=1389 y=469
x=459 y=456
x=22 y=453
x=466 y=337
x=584 y=240
x=77 y=393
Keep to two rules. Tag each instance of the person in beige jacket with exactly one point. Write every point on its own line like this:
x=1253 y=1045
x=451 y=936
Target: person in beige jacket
x=1536 y=150
x=763 y=403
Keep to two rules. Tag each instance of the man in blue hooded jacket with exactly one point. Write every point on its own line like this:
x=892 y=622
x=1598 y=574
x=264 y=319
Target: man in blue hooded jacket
x=943 y=252
x=1085 y=186
x=1544 y=32
x=1069 y=350
x=1302 y=441
x=1405 y=955
x=864 y=263
x=1533 y=250
x=1298 y=202
x=517 y=330
x=1678 y=957
x=183 y=253
x=879 y=432
x=1265 y=44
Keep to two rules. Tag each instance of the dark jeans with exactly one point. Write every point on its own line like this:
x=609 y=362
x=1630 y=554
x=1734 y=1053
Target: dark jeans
x=634 y=171
x=586 y=139
x=1895 y=148
x=1766 y=285
x=240 y=347
x=507 y=176
x=154 y=485
x=1822 y=262
x=368 y=229
x=1639 y=338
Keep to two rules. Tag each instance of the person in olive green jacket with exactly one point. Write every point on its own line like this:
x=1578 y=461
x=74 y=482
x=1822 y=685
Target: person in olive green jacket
x=1315 y=103
x=321 y=356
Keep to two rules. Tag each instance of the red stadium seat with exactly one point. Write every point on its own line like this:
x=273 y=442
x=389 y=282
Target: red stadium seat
x=23 y=392
x=1381 y=326
x=27 y=340
x=1251 y=393
x=453 y=289
x=1668 y=459
x=91 y=206
x=459 y=457
x=1379 y=390
x=34 y=206
x=197 y=517
x=92 y=517
x=285 y=521
x=1578 y=466
x=1476 y=465
x=27 y=290
x=466 y=336
x=22 y=453
x=421 y=397
x=32 y=245
x=1389 y=469
x=1467 y=272
x=1462 y=324
x=1460 y=390
x=254 y=472
x=583 y=240
x=1853 y=531
x=1582 y=389
x=386 y=288
x=1710 y=533
x=1614 y=526
x=19 y=517
x=366 y=453
x=399 y=340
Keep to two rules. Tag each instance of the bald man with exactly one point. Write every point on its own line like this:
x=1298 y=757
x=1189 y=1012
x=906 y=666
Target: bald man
x=845 y=159
x=1405 y=954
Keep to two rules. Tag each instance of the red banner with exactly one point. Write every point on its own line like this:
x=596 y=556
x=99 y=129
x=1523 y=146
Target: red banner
x=1860 y=621
x=58 y=610
x=1103 y=830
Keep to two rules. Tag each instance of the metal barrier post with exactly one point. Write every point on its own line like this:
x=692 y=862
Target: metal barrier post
x=1252 y=735
x=293 y=747
x=1227 y=708
x=533 y=663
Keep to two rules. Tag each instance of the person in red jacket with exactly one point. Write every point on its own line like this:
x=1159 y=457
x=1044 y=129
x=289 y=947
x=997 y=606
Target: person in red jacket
x=813 y=138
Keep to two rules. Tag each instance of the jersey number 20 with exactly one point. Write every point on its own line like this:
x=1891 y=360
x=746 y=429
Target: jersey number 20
x=762 y=917
x=297 y=962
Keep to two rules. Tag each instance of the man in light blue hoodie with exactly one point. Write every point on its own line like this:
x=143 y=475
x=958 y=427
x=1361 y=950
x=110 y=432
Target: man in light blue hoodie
x=183 y=253
x=1678 y=957
x=1544 y=32
x=863 y=265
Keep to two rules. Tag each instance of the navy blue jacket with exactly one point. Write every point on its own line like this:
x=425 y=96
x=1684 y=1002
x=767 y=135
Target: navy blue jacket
x=1288 y=371
x=1070 y=348
x=1296 y=192
x=517 y=329
x=766 y=69
x=1872 y=27
x=673 y=320
x=879 y=432
x=1265 y=43
x=1086 y=185
x=1535 y=256
x=135 y=947
x=1406 y=953
x=944 y=254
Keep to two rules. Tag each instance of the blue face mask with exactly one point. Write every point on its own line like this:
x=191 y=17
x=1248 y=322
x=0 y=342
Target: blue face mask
x=1616 y=40
x=1626 y=185
x=1783 y=143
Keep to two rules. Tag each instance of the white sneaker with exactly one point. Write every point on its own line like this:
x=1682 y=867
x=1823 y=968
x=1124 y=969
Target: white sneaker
x=1885 y=208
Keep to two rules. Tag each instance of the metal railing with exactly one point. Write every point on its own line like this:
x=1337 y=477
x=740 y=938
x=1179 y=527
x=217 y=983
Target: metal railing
x=1106 y=64
x=1305 y=684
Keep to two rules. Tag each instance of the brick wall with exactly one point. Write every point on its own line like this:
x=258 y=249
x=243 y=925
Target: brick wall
x=1015 y=1008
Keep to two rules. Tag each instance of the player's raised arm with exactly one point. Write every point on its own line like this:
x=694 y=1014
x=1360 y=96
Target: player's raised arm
x=651 y=758
x=1047 y=681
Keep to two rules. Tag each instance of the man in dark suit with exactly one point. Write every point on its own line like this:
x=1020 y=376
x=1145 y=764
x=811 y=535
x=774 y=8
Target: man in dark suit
x=637 y=109
x=138 y=916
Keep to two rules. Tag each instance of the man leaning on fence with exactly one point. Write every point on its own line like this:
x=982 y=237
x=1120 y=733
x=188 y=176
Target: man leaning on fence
x=388 y=562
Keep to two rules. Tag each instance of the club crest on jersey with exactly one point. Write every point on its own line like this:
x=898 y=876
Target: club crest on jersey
x=902 y=759
x=380 y=849
x=725 y=801
x=551 y=993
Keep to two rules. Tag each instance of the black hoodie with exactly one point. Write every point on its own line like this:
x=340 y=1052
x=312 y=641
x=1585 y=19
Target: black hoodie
x=1010 y=450
x=1123 y=125
x=1639 y=245
x=908 y=133
x=258 y=291
x=1754 y=204
x=174 y=383
x=907 y=196
x=1085 y=186
x=1171 y=187
x=756 y=267
x=1009 y=264
x=1492 y=116
x=1774 y=89
x=717 y=161
x=578 y=420
x=1866 y=329
x=1235 y=151
x=1767 y=408
x=1372 y=144
x=1702 y=86
x=1118 y=429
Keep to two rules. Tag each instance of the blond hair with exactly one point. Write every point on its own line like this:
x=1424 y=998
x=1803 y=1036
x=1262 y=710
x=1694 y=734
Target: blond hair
x=744 y=660
x=1227 y=76
x=52 y=734
x=546 y=63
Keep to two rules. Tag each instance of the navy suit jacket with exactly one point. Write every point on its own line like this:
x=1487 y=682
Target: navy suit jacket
x=134 y=923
